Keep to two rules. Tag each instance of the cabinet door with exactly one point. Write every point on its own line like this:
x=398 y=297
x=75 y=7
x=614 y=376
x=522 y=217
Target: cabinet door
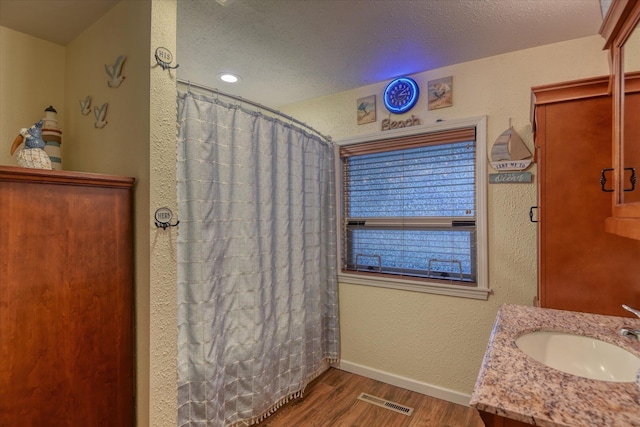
x=622 y=38
x=630 y=191
x=66 y=300
x=581 y=267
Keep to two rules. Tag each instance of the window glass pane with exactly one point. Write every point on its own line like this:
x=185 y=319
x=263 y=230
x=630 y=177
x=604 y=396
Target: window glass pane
x=424 y=253
x=428 y=181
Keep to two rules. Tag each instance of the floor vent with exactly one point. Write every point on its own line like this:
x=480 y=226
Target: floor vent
x=385 y=404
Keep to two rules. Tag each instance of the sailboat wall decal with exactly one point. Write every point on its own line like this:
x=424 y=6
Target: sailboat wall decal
x=509 y=152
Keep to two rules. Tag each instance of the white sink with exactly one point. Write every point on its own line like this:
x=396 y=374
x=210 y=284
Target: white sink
x=579 y=355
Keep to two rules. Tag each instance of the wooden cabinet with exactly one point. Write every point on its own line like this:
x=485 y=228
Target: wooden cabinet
x=66 y=299
x=622 y=38
x=581 y=267
x=493 y=420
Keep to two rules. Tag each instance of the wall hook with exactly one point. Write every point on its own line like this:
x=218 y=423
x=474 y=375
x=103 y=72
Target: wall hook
x=164 y=58
x=163 y=218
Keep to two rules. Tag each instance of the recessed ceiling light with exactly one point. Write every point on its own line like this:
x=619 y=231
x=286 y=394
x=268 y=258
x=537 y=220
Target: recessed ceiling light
x=228 y=77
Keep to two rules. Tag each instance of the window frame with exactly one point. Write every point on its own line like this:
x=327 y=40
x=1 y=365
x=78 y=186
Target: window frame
x=481 y=290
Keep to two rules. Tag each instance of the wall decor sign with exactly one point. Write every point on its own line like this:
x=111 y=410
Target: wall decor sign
x=397 y=124
x=440 y=93
x=510 y=178
x=509 y=152
x=164 y=58
x=163 y=218
x=366 y=110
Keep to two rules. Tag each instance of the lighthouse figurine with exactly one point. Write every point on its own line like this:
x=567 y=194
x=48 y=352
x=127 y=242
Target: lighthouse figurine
x=52 y=137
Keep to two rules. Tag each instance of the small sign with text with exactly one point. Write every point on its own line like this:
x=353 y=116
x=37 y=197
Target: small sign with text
x=510 y=178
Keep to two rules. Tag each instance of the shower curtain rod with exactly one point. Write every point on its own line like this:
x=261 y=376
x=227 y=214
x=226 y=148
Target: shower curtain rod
x=255 y=104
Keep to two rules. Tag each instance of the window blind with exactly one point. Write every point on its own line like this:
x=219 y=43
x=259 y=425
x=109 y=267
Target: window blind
x=410 y=141
x=410 y=206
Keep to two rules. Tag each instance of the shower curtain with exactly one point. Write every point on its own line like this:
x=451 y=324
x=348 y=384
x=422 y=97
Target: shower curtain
x=257 y=279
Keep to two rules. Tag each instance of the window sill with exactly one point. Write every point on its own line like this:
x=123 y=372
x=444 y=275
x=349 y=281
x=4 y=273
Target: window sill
x=414 y=286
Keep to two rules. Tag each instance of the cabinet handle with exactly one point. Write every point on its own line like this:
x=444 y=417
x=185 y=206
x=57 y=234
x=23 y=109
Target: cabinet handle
x=603 y=180
x=633 y=179
x=531 y=213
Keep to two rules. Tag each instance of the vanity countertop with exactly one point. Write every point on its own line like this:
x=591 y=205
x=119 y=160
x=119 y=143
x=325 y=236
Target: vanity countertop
x=513 y=385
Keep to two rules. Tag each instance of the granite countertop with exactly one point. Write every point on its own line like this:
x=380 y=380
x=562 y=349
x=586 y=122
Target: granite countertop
x=514 y=385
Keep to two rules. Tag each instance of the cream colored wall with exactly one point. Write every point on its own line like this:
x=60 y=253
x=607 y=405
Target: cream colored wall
x=31 y=78
x=122 y=147
x=119 y=147
x=163 y=309
x=439 y=340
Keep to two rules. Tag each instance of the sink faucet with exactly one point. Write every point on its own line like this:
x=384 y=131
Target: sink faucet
x=626 y=332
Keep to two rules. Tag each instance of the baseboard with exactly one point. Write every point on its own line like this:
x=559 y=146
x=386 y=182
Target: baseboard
x=406 y=383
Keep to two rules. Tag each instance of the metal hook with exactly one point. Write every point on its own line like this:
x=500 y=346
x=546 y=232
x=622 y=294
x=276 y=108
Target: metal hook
x=164 y=57
x=165 y=225
x=163 y=218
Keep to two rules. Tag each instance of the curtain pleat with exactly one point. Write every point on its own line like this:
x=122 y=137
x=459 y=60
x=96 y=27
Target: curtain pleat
x=257 y=279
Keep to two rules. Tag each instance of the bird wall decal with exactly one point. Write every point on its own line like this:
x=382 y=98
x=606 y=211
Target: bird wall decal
x=85 y=106
x=101 y=114
x=33 y=154
x=115 y=72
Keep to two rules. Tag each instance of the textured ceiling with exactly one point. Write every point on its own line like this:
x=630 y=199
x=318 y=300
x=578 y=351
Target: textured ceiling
x=288 y=51
x=292 y=50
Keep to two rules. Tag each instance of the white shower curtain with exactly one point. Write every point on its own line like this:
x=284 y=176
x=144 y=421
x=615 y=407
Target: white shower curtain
x=257 y=279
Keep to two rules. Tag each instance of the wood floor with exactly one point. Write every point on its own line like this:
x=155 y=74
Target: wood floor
x=332 y=401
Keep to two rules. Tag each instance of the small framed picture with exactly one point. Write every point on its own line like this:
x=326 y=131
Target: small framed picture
x=366 y=110
x=440 y=93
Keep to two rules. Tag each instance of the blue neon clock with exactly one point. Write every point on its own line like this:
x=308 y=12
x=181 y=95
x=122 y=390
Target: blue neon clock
x=401 y=95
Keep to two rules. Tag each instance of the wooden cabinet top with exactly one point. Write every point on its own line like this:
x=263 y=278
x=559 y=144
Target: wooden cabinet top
x=616 y=22
x=13 y=173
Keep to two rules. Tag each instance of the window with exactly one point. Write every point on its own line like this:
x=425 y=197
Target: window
x=413 y=210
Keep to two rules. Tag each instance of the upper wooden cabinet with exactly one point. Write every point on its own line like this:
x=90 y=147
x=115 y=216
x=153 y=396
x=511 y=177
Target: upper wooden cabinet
x=580 y=266
x=622 y=38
